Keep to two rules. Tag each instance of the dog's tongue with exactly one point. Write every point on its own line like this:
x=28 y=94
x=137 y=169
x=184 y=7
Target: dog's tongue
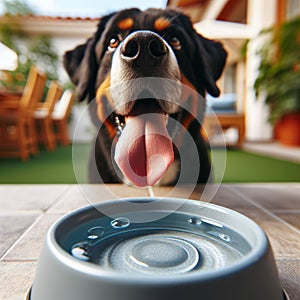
x=144 y=150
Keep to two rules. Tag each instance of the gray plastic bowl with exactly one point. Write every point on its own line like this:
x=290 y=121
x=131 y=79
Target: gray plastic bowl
x=144 y=249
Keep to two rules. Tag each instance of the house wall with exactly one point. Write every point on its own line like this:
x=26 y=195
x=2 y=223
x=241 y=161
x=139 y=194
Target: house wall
x=63 y=44
x=80 y=128
x=261 y=14
x=66 y=35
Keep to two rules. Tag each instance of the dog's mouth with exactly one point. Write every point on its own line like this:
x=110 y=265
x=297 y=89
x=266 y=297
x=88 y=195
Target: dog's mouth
x=143 y=106
x=144 y=150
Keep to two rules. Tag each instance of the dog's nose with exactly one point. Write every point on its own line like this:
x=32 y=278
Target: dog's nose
x=143 y=49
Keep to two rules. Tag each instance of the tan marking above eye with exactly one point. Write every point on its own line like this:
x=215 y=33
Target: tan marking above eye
x=161 y=24
x=125 y=24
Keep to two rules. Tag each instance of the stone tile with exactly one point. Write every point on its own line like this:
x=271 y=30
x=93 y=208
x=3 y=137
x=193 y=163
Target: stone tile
x=273 y=196
x=217 y=194
x=274 y=149
x=79 y=196
x=228 y=197
x=16 y=279
x=291 y=218
x=124 y=191
x=29 y=246
x=277 y=213
x=29 y=197
x=12 y=227
x=71 y=200
x=184 y=191
x=283 y=237
x=289 y=272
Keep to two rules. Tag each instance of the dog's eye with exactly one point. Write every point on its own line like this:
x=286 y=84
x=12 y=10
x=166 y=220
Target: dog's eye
x=113 y=43
x=175 y=43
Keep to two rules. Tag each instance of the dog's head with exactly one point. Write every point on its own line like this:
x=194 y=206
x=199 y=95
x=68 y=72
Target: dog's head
x=134 y=65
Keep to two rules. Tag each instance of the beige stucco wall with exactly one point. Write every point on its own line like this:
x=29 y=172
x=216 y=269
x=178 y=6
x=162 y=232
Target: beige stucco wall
x=261 y=14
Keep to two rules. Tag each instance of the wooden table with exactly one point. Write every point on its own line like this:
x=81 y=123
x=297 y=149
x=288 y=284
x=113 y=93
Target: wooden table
x=27 y=211
x=225 y=120
x=9 y=95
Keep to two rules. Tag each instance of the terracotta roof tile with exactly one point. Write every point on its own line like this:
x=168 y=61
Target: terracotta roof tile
x=55 y=18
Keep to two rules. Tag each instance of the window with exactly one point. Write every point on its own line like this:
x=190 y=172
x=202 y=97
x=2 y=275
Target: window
x=230 y=79
x=292 y=9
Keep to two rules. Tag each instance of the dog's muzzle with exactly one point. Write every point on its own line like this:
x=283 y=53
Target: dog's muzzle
x=144 y=51
x=145 y=89
x=145 y=66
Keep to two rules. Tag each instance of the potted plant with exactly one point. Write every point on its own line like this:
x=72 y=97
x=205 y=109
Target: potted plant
x=279 y=79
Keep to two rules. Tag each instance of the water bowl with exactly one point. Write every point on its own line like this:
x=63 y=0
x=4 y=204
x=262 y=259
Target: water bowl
x=144 y=249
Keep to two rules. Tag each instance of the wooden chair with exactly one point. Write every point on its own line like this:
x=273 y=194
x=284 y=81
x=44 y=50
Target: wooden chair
x=225 y=121
x=43 y=117
x=60 y=115
x=17 y=128
x=222 y=113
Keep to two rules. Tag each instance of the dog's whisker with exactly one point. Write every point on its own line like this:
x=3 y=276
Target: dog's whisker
x=175 y=17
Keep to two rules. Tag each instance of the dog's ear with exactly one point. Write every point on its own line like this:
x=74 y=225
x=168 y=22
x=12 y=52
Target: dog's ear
x=81 y=63
x=77 y=64
x=212 y=56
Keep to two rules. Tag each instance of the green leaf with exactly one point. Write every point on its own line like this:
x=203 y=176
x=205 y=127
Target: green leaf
x=278 y=74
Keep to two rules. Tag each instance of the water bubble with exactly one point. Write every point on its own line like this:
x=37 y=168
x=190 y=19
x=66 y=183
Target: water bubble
x=79 y=251
x=120 y=223
x=194 y=221
x=95 y=232
x=224 y=237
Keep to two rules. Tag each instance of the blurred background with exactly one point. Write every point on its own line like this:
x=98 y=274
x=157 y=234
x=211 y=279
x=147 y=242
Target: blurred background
x=259 y=108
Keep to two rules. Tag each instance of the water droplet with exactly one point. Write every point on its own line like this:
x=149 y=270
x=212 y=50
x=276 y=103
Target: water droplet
x=194 y=221
x=95 y=232
x=79 y=251
x=224 y=237
x=212 y=222
x=120 y=223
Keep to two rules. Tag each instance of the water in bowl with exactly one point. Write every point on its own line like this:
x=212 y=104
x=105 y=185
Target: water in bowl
x=174 y=244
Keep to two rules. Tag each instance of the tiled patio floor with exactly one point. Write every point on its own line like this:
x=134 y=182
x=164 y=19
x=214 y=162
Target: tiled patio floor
x=27 y=211
x=275 y=150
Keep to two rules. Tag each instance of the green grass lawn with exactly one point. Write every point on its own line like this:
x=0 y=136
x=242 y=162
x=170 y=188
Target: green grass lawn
x=243 y=166
x=46 y=167
x=57 y=167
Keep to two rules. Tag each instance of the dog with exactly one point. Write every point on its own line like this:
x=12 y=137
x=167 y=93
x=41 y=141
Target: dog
x=145 y=75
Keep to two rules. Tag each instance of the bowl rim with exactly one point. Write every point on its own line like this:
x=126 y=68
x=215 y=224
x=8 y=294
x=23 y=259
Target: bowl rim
x=95 y=271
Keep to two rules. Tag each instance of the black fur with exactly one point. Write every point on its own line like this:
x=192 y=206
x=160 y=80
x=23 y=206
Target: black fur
x=201 y=61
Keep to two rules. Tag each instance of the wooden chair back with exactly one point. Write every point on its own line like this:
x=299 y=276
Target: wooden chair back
x=42 y=115
x=22 y=141
x=33 y=90
x=53 y=95
x=63 y=107
x=60 y=116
